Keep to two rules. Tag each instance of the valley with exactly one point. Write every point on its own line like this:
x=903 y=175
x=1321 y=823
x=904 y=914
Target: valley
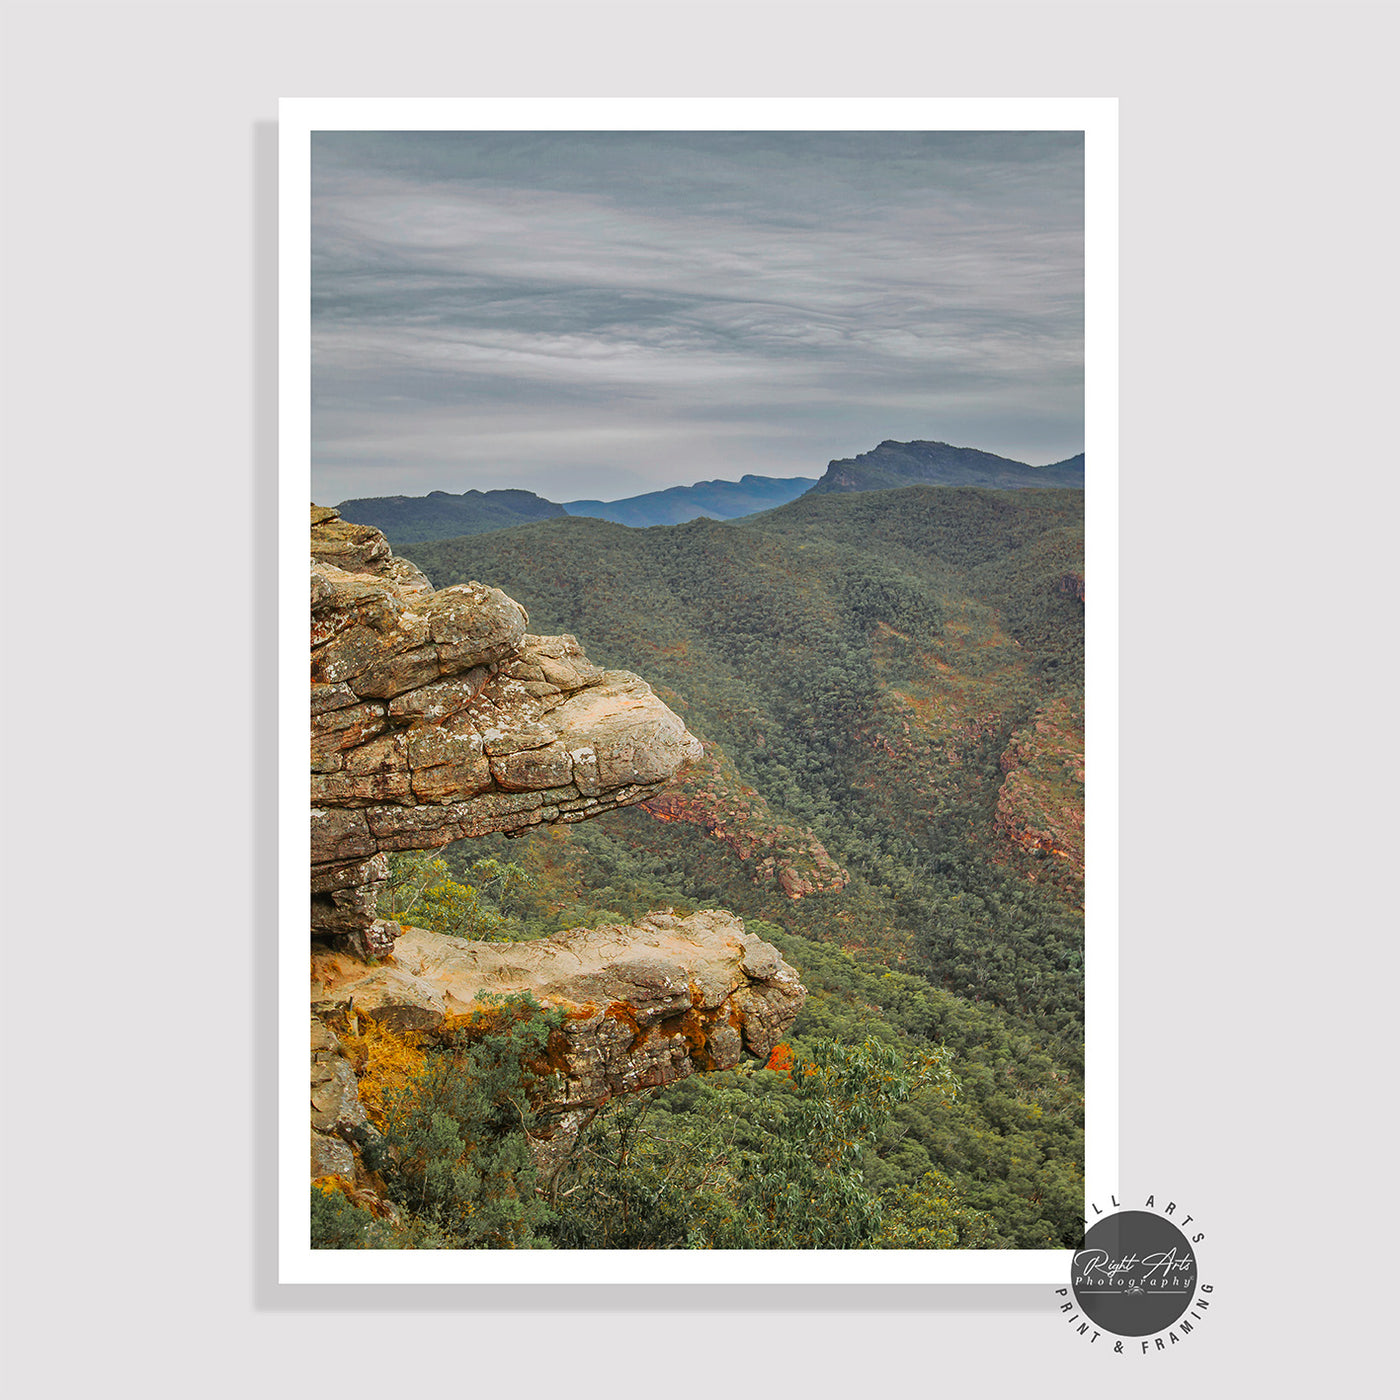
x=888 y=689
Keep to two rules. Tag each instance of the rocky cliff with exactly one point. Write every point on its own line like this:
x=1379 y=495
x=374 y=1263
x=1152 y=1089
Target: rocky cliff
x=435 y=716
x=645 y=1004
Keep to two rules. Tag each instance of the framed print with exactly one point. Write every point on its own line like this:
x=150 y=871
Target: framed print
x=710 y=869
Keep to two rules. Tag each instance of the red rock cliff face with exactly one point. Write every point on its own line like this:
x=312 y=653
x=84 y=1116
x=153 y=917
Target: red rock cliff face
x=710 y=795
x=435 y=716
x=1040 y=807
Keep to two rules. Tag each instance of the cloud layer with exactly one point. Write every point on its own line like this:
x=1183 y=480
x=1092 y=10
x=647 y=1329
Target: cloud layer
x=597 y=314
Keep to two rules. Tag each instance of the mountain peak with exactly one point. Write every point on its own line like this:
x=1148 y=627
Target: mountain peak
x=927 y=463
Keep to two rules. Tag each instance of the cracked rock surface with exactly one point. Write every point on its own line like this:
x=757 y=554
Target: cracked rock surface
x=436 y=716
x=646 y=1003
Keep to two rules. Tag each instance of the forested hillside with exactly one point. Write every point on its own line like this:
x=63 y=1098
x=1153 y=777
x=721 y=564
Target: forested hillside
x=890 y=690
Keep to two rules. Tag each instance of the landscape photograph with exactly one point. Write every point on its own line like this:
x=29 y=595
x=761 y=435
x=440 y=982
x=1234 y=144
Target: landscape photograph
x=697 y=667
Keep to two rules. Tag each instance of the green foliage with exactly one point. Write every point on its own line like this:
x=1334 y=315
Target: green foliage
x=861 y=662
x=805 y=1189
x=933 y=1215
x=642 y=1177
x=422 y=890
x=757 y=1160
x=457 y=1134
x=867 y=1141
x=337 y=1223
x=1011 y=1141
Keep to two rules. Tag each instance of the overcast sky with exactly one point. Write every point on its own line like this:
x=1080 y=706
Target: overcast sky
x=590 y=314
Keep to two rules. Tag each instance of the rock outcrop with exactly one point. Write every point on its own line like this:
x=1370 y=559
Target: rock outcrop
x=1040 y=807
x=436 y=716
x=645 y=1004
x=338 y=1120
x=711 y=795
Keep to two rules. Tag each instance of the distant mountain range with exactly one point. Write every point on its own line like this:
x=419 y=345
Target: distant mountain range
x=940 y=464
x=720 y=500
x=441 y=516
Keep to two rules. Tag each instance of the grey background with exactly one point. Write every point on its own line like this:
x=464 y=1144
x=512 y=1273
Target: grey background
x=140 y=589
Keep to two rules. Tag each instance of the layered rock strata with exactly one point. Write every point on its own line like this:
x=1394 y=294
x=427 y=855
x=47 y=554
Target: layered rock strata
x=645 y=1004
x=338 y=1120
x=436 y=716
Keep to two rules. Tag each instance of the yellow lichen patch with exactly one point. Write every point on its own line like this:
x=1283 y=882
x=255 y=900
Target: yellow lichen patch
x=384 y=1060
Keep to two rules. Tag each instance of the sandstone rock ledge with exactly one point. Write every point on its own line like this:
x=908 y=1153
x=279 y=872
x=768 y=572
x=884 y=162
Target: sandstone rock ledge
x=646 y=1003
x=435 y=716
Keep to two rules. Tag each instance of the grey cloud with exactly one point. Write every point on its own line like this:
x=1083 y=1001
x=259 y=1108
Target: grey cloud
x=622 y=311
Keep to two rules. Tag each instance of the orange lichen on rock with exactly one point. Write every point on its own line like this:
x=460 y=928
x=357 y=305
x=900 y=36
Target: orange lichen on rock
x=627 y=1014
x=633 y=1006
x=385 y=1061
